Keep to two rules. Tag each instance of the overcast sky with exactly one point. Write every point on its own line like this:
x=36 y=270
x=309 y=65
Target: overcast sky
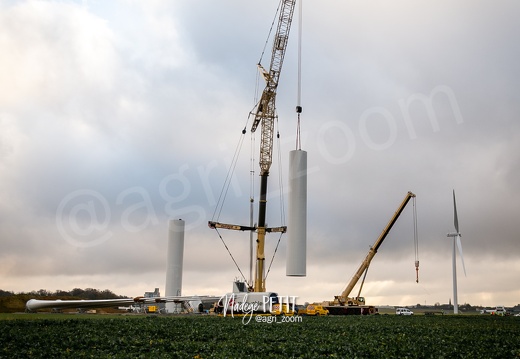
x=116 y=116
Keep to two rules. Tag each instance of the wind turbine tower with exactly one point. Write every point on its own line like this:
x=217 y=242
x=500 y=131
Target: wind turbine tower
x=456 y=244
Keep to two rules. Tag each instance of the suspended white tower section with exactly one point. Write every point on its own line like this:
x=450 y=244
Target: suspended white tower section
x=297 y=223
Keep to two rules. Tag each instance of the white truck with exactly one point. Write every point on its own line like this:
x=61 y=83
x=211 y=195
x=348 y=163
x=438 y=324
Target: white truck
x=498 y=310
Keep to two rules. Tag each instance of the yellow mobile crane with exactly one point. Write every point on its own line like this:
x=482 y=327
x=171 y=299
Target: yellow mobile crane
x=343 y=304
x=265 y=116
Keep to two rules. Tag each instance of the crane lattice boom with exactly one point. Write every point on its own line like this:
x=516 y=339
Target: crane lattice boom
x=265 y=115
x=266 y=109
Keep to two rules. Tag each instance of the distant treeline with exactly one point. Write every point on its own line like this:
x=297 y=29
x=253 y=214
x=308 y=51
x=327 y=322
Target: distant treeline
x=11 y=302
x=89 y=293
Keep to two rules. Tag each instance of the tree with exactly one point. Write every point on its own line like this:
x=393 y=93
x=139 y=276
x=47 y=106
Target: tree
x=44 y=293
x=77 y=292
x=5 y=293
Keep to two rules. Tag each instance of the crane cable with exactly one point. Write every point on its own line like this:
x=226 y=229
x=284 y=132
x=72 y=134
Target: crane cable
x=299 y=95
x=233 y=258
x=251 y=204
x=416 y=241
x=282 y=207
x=274 y=254
x=229 y=176
x=270 y=31
x=223 y=194
x=280 y=176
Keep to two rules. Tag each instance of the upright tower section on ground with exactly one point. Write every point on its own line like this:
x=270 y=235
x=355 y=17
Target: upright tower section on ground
x=174 y=260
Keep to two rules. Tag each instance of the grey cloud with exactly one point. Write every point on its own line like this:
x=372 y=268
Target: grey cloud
x=116 y=105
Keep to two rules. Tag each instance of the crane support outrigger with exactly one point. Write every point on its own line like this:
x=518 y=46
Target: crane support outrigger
x=344 y=299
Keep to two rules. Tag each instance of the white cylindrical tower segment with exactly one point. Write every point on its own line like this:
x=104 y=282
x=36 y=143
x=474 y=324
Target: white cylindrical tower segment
x=174 y=262
x=296 y=263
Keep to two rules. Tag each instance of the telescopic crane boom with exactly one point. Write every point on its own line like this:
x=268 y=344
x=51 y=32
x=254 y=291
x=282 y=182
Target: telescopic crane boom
x=344 y=298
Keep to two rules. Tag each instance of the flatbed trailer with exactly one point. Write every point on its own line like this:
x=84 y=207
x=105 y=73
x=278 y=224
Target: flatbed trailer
x=351 y=310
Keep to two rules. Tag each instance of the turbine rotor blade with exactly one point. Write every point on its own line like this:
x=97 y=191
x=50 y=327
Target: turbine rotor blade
x=455 y=217
x=459 y=246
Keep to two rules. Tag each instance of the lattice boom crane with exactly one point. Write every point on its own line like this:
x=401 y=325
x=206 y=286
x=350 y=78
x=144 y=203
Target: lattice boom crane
x=265 y=116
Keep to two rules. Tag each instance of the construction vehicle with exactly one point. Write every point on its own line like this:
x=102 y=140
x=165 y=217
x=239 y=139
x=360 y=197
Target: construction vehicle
x=498 y=310
x=286 y=310
x=314 y=309
x=344 y=304
x=152 y=309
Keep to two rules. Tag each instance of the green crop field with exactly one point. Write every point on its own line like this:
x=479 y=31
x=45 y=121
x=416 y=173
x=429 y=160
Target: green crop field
x=383 y=336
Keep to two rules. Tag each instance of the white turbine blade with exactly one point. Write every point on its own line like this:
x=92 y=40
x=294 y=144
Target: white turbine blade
x=455 y=219
x=459 y=246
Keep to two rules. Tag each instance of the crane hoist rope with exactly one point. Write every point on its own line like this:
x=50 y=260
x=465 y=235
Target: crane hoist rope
x=299 y=107
x=416 y=241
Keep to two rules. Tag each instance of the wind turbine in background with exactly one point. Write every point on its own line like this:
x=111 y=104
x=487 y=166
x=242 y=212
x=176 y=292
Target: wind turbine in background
x=456 y=244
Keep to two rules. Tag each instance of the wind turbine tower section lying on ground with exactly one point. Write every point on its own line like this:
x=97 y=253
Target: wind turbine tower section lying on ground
x=174 y=262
